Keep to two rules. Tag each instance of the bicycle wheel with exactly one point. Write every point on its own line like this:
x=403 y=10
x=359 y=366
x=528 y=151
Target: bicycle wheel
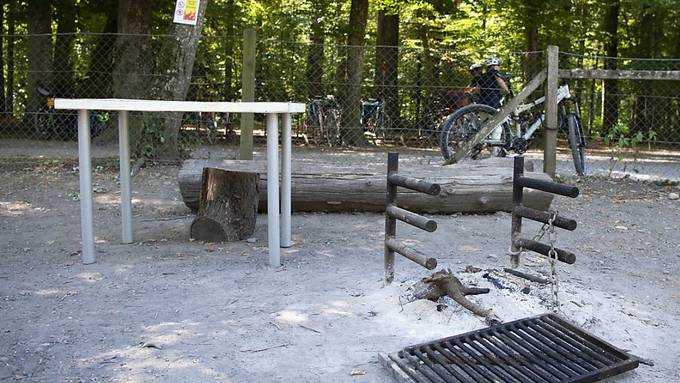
x=461 y=126
x=577 y=143
x=333 y=129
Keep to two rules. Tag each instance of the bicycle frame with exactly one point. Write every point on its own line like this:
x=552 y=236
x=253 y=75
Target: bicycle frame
x=562 y=94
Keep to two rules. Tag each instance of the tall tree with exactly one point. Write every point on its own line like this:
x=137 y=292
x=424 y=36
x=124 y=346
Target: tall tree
x=229 y=51
x=531 y=23
x=63 y=49
x=100 y=64
x=314 y=70
x=130 y=73
x=9 y=98
x=385 y=84
x=179 y=54
x=351 y=131
x=39 y=50
x=2 y=59
x=650 y=29
x=132 y=57
x=611 y=46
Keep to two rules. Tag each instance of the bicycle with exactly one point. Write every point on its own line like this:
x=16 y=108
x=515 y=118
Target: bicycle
x=443 y=106
x=373 y=119
x=514 y=133
x=323 y=120
x=50 y=124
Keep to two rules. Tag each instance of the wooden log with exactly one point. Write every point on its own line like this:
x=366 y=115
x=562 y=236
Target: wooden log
x=470 y=187
x=227 y=206
x=443 y=283
x=532 y=278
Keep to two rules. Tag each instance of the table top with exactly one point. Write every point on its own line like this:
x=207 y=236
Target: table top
x=177 y=106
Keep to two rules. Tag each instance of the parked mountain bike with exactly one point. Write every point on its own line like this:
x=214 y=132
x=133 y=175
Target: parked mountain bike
x=48 y=123
x=441 y=107
x=513 y=134
x=373 y=119
x=323 y=121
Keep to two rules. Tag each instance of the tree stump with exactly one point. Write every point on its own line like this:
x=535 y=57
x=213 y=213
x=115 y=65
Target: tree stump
x=227 y=208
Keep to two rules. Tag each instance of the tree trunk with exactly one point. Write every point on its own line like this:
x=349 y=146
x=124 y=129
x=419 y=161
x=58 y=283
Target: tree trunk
x=480 y=186
x=611 y=89
x=39 y=51
x=651 y=20
x=530 y=65
x=180 y=54
x=2 y=60
x=132 y=57
x=387 y=67
x=64 y=81
x=351 y=131
x=229 y=53
x=228 y=206
x=340 y=51
x=427 y=126
x=9 y=99
x=98 y=82
x=314 y=70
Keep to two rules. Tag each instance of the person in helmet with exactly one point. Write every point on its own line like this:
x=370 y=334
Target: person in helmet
x=472 y=90
x=492 y=84
x=475 y=72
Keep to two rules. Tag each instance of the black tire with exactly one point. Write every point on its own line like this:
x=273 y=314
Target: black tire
x=577 y=143
x=461 y=126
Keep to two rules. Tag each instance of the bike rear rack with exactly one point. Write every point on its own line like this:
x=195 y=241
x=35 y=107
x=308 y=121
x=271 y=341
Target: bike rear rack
x=519 y=211
x=394 y=213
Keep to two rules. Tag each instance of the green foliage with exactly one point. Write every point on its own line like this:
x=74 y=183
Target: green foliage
x=153 y=136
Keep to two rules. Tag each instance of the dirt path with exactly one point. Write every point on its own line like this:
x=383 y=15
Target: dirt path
x=208 y=312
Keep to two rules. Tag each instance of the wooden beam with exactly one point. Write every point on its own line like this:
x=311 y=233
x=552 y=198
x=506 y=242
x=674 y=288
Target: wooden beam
x=551 y=83
x=497 y=118
x=611 y=74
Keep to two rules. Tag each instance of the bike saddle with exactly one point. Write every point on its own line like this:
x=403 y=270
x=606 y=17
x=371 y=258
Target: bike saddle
x=43 y=91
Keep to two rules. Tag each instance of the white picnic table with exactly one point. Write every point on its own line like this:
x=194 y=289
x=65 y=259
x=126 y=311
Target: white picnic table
x=278 y=231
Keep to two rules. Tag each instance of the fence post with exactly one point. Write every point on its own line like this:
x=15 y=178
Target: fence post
x=390 y=222
x=550 y=150
x=247 y=93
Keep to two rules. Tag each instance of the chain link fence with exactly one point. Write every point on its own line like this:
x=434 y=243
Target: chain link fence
x=630 y=112
x=356 y=96
x=116 y=66
x=401 y=97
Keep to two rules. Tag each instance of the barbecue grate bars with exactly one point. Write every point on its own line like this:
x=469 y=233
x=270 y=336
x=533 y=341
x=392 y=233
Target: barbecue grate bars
x=545 y=348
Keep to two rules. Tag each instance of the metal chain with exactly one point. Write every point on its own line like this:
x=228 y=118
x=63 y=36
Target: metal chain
x=539 y=235
x=552 y=255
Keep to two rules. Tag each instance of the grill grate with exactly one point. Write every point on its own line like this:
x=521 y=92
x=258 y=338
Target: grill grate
x=540 y=349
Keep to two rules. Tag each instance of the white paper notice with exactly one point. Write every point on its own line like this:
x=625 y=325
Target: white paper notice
x=186 y=12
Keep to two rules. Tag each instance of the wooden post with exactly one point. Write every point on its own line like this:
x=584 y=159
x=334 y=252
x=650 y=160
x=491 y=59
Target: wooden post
x=390 y=222
x=247 y=92
x=550 y=151
x=516 y=225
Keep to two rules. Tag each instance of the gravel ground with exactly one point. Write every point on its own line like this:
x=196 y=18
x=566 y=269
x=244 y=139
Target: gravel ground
x=166 y=309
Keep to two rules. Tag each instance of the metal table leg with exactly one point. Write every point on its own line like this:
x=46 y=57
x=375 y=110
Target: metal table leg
x=273 y=228
x=125 y=198
x=85 y=173
x=286 y=181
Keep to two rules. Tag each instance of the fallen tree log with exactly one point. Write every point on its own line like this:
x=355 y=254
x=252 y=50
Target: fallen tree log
x=475 y=187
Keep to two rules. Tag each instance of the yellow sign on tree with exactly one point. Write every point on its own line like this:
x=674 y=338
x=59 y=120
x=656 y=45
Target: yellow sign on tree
x=186 y=12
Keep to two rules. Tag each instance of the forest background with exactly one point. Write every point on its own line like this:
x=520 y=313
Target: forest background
x=408 y=54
